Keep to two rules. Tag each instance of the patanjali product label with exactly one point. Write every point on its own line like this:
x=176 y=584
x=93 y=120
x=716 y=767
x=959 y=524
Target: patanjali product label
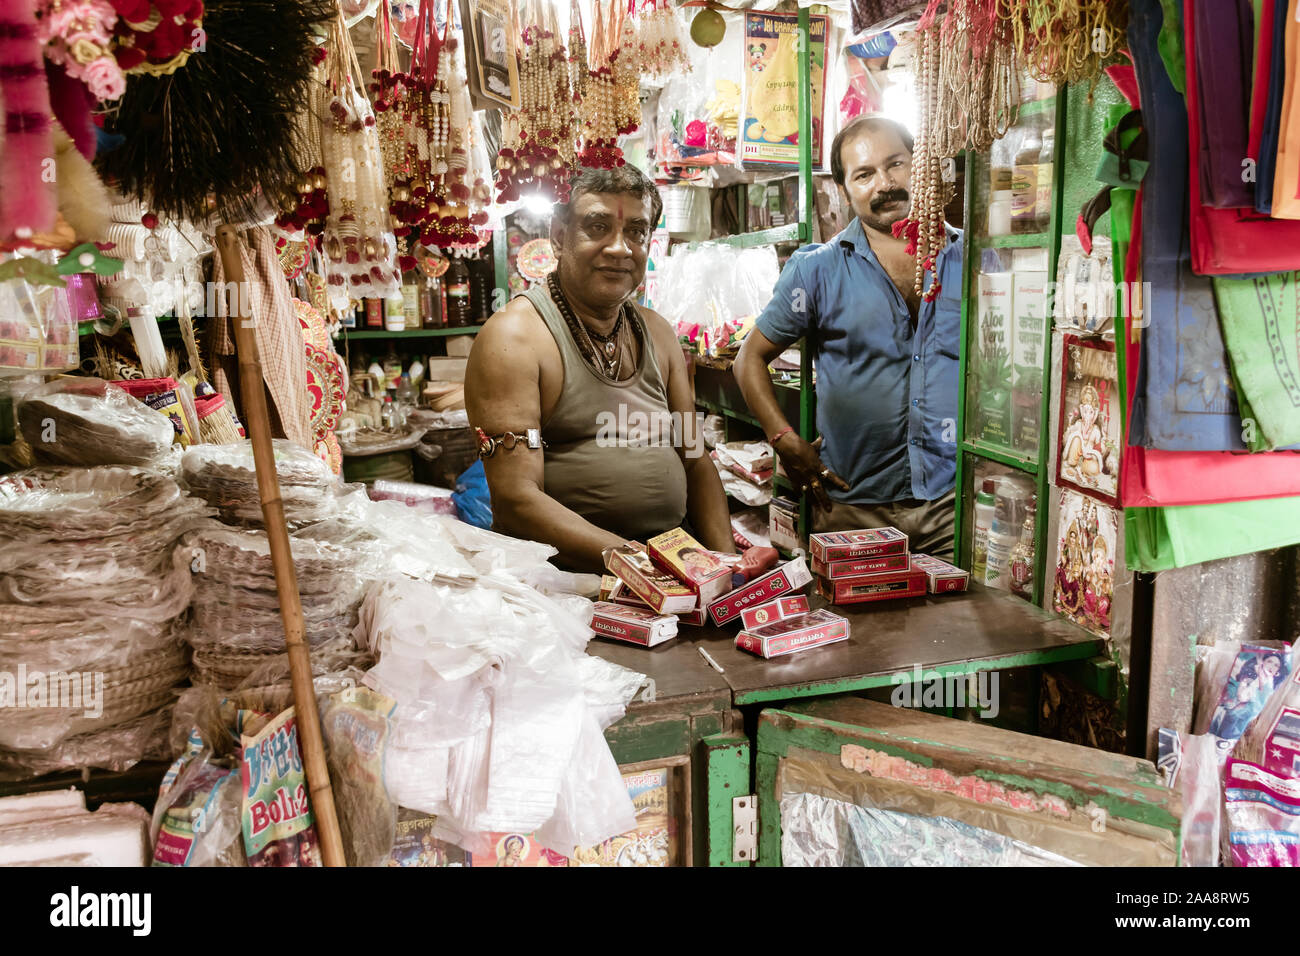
x=774 y=611
x=795 y=634
x=866 y=543
x=857 y=567
x=786 y=579
x=278 y=825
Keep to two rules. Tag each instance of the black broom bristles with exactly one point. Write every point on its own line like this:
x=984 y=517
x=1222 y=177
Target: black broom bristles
x=223 y=124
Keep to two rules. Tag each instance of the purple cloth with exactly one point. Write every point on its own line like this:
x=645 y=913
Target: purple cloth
x=1225 y=35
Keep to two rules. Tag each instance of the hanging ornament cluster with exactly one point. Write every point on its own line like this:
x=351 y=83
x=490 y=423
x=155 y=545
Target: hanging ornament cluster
x=78 y=36
x=304 y=216
x=660 y=40
x=924 y=229
x=425 y=136
x=360 y=249
x=1066 y=42
x=597 y=111
x=537 y=143
x=158 y=37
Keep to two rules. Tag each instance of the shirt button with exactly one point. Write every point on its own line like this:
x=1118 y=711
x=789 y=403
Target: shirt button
x=916 y=441
x=916 y=401
x=916 y=358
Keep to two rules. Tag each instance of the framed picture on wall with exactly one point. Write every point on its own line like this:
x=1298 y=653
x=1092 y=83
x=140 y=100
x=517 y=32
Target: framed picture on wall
x=490 y=55
x=1084 y=578
x=1088 y=446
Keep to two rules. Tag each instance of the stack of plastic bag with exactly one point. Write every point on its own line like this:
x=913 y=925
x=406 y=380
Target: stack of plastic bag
x=225 y=477
x=746 y=470
x=500 y=716
x=92 y=589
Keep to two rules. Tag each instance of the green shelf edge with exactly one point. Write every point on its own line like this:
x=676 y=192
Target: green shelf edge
x=409 y=333
x=1027 y=240
x=1003 y=456
x=790 y=232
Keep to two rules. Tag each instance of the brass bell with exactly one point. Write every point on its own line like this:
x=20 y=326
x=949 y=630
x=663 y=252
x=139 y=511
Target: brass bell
x=401 y=193
x=371 y=249
x=318 y=181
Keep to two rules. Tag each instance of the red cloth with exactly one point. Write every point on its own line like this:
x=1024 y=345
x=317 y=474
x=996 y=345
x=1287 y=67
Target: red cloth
x=1263 y=68
x=1150 y=477
x=1229 y=241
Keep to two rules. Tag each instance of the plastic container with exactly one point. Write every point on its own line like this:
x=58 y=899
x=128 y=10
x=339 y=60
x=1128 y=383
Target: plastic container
x=1024 y=184
x=394 y=314
x=1000 y=213
x=985 y=501
x=1043 y=204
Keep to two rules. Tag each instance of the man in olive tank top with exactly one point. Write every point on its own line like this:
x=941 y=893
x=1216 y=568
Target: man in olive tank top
x=588 y=431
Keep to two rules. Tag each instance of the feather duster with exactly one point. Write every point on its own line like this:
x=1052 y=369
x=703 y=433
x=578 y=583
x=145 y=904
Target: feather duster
x=83 y=199
x=222 y=125
x=26 y=206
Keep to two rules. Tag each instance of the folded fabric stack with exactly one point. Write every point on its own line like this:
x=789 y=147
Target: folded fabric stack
x=92 y=586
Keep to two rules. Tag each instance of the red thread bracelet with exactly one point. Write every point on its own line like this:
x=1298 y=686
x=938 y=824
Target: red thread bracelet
x=777 y=437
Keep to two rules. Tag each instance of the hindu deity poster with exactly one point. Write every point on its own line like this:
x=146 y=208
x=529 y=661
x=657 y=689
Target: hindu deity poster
x=1087 y=537
x=1088 y=452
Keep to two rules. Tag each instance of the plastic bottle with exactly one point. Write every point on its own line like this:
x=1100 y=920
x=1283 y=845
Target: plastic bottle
x=984 y=506
x=1001 y=543
x=1000 y=213
x=389 y=415
x=458 y=295
x=1024 y=184
x=410 y=302
x=374 y=313
x=394 y=316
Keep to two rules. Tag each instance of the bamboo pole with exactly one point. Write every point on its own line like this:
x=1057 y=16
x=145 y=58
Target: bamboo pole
x=258 y=421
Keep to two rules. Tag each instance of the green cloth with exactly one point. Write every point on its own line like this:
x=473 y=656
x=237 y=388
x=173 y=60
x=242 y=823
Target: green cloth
x=1157 y=539
x=1261 y=328
x=1170 y=44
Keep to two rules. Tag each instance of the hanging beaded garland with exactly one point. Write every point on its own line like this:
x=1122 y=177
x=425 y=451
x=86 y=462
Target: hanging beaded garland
x=598 y=112
x=660 y=40
x=537 y=148
x=625 y=62
x=924 y=229
x=360 y=250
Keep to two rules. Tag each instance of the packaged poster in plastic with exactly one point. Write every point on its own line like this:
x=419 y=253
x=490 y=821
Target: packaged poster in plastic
x=1262 y=813
x=277 y=821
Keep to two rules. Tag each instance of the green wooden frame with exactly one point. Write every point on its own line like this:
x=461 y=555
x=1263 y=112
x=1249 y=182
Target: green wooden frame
x=1036 y=465
x=780 y=732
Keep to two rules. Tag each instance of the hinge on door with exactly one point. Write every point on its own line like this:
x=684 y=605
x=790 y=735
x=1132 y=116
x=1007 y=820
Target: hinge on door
x=744 y=829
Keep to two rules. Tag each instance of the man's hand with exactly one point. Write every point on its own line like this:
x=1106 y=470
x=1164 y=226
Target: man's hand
x=803 y=465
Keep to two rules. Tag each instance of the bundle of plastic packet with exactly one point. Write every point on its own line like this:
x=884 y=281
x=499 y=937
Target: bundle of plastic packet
x=499 y=722
x=86 y=421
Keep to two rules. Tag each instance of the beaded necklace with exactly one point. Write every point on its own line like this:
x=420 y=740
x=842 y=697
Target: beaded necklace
x=608 y=361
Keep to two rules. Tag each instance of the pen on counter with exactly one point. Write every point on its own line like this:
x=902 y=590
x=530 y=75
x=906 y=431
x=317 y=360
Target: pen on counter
x=711 y=662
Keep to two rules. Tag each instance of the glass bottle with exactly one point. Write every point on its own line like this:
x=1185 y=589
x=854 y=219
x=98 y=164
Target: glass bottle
x=1043 y=204
x=431 y=304
x=1024 y=184
x=1022 y=559
x=458 y=295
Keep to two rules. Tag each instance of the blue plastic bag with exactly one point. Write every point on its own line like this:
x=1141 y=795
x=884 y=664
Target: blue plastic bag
x=473 y=501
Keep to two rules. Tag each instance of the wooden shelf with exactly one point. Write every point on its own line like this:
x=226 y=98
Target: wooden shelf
x=409 y=333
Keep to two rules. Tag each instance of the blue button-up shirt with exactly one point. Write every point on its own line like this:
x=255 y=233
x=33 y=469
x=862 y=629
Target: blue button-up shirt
x=886 y=395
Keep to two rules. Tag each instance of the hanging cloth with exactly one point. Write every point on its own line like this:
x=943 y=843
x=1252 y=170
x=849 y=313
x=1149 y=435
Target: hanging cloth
x=1261 y=325
x=1227 y=241
x=1224 y=55
x=1265 y=13
x=279 y=340
x=1270 y=116
x=1286 y=177
x=1182 y=345
x=1183 y=398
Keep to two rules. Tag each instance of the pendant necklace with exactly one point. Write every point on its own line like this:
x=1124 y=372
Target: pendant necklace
x=610 y=363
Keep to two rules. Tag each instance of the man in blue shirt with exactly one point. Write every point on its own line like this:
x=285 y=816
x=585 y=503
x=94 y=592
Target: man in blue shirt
x=886 y=360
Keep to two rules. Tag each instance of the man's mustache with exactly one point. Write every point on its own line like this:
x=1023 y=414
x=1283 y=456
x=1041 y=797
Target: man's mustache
x=894 y=195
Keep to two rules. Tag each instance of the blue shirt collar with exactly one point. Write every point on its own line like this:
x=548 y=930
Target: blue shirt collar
x=855 y=236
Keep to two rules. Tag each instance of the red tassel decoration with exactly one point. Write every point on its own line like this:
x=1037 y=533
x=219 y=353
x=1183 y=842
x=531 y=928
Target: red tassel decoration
x=26 y=204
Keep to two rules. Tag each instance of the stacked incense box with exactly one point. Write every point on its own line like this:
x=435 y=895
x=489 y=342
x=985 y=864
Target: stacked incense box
x=875 y=564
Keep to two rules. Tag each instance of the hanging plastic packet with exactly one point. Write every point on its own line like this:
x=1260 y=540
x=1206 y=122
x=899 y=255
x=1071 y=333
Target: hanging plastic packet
x=356 y=725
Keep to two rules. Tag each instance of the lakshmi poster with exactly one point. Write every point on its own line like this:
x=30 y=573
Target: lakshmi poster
x=1085 y=561
x=1089 y=451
